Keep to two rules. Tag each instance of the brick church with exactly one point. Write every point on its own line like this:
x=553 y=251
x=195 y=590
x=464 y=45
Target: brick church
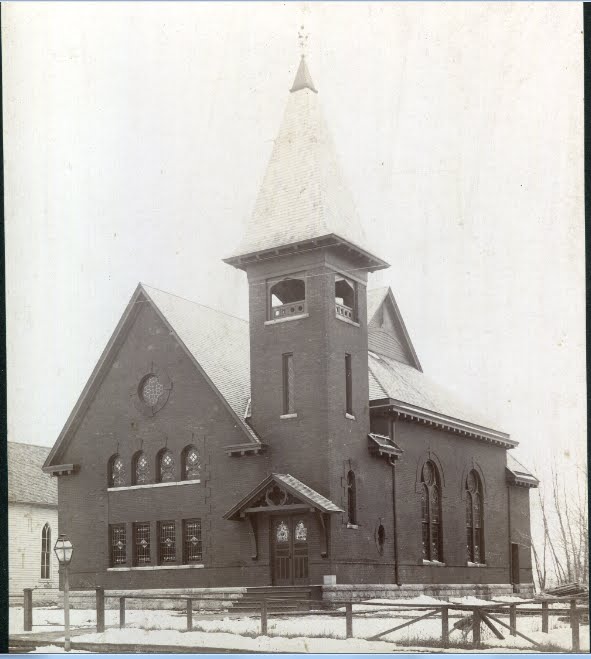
x=304 y=446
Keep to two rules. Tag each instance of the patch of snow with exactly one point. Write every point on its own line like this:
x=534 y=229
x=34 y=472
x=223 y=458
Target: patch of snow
x=52 y=649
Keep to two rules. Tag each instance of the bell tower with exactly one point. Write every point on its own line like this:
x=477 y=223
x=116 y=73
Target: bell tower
x=305 y=257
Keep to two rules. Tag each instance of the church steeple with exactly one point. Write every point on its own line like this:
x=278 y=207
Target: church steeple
x=303 y=79
x=303 y=200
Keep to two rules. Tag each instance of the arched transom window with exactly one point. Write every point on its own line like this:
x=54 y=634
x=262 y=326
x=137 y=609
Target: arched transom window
x=46 y=552
x=141 y=469
x=166 y=466
x=116 y=471
x=431 y=512
x=474 y=519
x=191 y=467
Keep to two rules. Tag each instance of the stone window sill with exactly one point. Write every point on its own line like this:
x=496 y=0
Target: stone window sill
x=276 y=321
x=433 y=563
x=156 y=567
x=471 y=564
x=292 y=415
x=350 y=416
x=352 y=526
x=347 y=320
x=147 y=485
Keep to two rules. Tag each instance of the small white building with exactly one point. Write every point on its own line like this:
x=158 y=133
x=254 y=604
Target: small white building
x=32 y=523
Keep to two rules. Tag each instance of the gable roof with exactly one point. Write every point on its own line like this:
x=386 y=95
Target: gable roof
x=217 y=343
x=416 y=395
x=303 y=196
x=26 y=481
x=518 y=474
x=392 y=342
x=293 y=486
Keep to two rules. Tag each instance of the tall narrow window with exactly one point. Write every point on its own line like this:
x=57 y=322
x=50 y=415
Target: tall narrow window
x=288 y=384
x=348 y=385
x=191 y=467
x=141 y=469
x=166 y=466
x=474 y=523
x=116 y=475
x=46 y=552
x=118 y=543
x=351 y=498
x=166 y=543
x=431 y=513
x=141 y=543
x=192 y=541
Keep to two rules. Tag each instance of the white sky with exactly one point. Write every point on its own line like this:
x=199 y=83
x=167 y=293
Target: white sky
x=136 y=137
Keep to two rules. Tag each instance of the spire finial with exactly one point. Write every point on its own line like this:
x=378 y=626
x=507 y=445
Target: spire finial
x=303 y=40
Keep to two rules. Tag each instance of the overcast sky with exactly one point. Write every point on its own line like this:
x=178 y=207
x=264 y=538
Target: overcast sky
x=136 y=137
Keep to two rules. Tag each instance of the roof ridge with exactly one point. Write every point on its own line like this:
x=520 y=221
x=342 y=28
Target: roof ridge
x=199 y=304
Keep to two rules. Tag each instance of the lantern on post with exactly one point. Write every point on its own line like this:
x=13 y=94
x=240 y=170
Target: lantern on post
x=63 y=550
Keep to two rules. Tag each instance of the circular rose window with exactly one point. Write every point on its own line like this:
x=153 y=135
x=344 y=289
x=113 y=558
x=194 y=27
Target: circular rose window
x=151 y=389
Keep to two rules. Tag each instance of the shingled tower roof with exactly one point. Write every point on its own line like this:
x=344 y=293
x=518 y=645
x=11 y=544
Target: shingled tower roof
x=303 y=197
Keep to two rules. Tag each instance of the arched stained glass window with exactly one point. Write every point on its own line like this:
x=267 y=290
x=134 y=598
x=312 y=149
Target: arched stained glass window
x=474 y=519
x=191 y=467
x=116 y=475
x=431 y=513
x=46 y=552
x=141 y=469
x=351 y=498
x=166 y=466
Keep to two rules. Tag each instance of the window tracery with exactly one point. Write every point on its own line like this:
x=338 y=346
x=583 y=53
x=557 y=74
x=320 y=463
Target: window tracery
x=474 y=521
x=431 y=513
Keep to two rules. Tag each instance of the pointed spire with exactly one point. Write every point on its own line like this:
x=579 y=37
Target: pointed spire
x=303 y=79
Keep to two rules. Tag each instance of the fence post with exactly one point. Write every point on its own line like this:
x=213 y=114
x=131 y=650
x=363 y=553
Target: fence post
x=513 y=620
x=263 y=617
x=445 y=626
x=349 y=619
x=574 y=625
x=189 y=614
x=545 y=617
x=100 y=610
x=28 y=609
x=121 y=612
x=475 y=628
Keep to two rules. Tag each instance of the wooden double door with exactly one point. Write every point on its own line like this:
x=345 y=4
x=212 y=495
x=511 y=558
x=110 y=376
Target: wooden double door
x=289 y=549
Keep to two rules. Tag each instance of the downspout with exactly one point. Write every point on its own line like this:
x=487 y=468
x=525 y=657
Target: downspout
x=394 y=529
x=510 y=548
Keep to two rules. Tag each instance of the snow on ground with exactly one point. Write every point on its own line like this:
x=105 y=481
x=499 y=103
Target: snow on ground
x=309 y=633
x=52 y=649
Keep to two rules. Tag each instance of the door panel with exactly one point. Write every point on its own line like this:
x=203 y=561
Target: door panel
x=289 y=550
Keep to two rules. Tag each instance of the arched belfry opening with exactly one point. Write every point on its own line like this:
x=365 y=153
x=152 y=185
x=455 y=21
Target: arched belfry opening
x=287 y=297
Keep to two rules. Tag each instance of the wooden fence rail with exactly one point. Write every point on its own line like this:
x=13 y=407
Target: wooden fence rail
x=478 y=614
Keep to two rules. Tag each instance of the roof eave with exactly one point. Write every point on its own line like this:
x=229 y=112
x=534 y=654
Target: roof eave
x=242 y=261
x=429 y=417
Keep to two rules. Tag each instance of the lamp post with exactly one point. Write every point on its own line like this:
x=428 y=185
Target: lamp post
x=63 y=550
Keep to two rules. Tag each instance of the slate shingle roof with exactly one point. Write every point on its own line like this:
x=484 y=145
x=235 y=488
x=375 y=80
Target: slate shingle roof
x=291 y=484
x=303 y=195
x=26 y=482
x=408 y=385
x=375 y=297
x=308 y=493
x=519 y=472
x=220 y=344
